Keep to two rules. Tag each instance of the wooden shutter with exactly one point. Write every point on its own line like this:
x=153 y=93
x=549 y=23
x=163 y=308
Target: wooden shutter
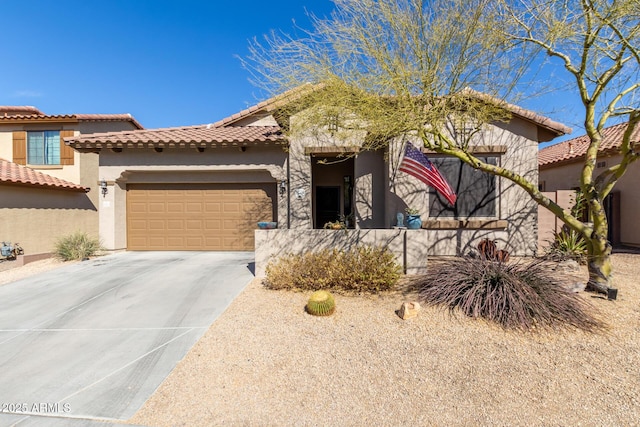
x=66 y=152
x=20 y=147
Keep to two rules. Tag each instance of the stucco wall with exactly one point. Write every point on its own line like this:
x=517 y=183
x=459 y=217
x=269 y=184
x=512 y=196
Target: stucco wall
x=548 y=223
x=37 y=217
x=259 y=164
x=381 y=191
x=516 y=150
x=406 y=245
x=566 y=177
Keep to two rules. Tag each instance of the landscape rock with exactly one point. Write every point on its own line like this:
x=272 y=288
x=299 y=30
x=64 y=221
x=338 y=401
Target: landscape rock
x=409 y=310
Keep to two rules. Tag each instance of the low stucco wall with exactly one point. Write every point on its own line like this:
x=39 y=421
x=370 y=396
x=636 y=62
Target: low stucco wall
x=407 y=245
x=411 y=247
x=548 y=223
x=37 y=217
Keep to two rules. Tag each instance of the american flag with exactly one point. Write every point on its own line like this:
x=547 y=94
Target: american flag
x=416 y=164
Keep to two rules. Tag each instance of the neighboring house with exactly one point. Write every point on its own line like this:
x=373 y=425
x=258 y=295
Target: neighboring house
x=205 y=188
x=560 y=167
x=47 y=189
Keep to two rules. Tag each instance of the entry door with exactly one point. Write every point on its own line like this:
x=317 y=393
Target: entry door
x=327 y=205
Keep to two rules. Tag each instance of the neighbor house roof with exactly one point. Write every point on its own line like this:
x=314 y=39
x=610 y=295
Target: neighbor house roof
x=13 y=173
x=28 y=114
x=196 y=136
x=574 y=149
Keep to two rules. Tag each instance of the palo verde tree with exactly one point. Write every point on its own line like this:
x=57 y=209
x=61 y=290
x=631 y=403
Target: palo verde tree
x=597 y=43
x=441 y=70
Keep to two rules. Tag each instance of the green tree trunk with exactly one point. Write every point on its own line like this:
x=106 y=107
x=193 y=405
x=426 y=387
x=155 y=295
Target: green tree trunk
x=599 y=253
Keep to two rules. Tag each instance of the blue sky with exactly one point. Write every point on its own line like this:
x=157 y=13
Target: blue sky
x=168 y=63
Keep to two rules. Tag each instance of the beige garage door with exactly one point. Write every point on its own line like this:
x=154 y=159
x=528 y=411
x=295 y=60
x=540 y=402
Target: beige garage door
x=213 y=217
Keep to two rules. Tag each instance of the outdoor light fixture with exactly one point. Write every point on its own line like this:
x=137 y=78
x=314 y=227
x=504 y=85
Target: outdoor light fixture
x=103 y=188
x=283 y=187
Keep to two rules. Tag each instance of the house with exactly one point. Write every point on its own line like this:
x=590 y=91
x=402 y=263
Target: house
x=47 y=189
x=561 y=165
x=205 y=187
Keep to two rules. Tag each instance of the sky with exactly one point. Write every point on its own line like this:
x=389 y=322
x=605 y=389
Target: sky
x=167 y=63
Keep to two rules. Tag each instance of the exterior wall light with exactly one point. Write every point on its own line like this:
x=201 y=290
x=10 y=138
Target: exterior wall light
x=103 y=188
x=283 y=187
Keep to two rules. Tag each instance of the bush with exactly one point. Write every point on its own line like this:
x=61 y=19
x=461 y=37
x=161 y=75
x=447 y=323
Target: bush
x=360 y=270
x=567 y=244
x=76 y=246
x=521 y=296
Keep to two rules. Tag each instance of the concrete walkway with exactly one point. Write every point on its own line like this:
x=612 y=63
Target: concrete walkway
x=92 y=341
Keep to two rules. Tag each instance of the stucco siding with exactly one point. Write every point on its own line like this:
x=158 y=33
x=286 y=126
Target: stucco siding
x=214 y=165
x=37 y=217
x=567 y=177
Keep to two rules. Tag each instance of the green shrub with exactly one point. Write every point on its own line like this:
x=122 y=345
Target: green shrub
x=360 y=270
x=521 y=296
x=76 y=246
x=567 y=244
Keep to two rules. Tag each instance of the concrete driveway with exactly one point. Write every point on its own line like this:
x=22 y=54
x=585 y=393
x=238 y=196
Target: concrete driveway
x=93 y=340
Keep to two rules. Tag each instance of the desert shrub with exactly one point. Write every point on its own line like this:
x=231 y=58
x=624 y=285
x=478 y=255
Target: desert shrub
x=359 y=270
x=567 y=244
x=76 y=246
x=521 y=296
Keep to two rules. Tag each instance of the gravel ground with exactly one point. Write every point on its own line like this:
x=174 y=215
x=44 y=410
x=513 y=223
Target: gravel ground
x=266 y=362
x=10 y=273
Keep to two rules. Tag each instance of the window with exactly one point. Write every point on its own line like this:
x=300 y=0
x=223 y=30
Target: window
x=43 y=148
x=476 y=190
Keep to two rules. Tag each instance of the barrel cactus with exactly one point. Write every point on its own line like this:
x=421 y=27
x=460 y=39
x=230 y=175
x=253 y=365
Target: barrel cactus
x=321 y=303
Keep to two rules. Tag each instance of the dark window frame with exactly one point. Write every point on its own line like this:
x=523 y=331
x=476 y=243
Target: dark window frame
x=472 y=202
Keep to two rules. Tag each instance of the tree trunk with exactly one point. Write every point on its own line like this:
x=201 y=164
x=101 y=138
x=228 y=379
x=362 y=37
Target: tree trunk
x=600 y=270
x=599 y=255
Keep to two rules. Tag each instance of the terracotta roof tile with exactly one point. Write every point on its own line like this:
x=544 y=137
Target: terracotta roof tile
x=10 y=110
x=574 y=149
x=31 y=114
x=198 y=135
x=13 y=173
x=545 y=122
x=267 y=105
x=272 y=103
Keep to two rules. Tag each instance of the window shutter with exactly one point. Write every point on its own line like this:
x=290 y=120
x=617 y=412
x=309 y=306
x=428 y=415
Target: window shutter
x=20 y=147
x=66 y=152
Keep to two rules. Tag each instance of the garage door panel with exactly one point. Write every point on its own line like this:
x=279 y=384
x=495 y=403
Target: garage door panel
x=193 y=225
x=156 y=207
x=175 y=207
x=175 y=224
x=197 y=216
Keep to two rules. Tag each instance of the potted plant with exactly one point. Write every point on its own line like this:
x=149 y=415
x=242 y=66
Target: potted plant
x=335 y=225
x=413 y=218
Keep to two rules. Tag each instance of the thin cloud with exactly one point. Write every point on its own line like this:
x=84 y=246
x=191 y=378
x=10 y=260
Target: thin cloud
x=26 y=94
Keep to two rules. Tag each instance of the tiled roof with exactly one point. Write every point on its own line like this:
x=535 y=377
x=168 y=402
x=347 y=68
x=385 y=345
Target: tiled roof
x=10 y=110
x=21 y=114
x=545 y=122
x=276 y=101
x=574 y=149
x=13 y=173
x=198 y=136
x=267 y=105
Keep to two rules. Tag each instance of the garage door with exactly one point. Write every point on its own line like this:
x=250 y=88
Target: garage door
x=213 y=217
